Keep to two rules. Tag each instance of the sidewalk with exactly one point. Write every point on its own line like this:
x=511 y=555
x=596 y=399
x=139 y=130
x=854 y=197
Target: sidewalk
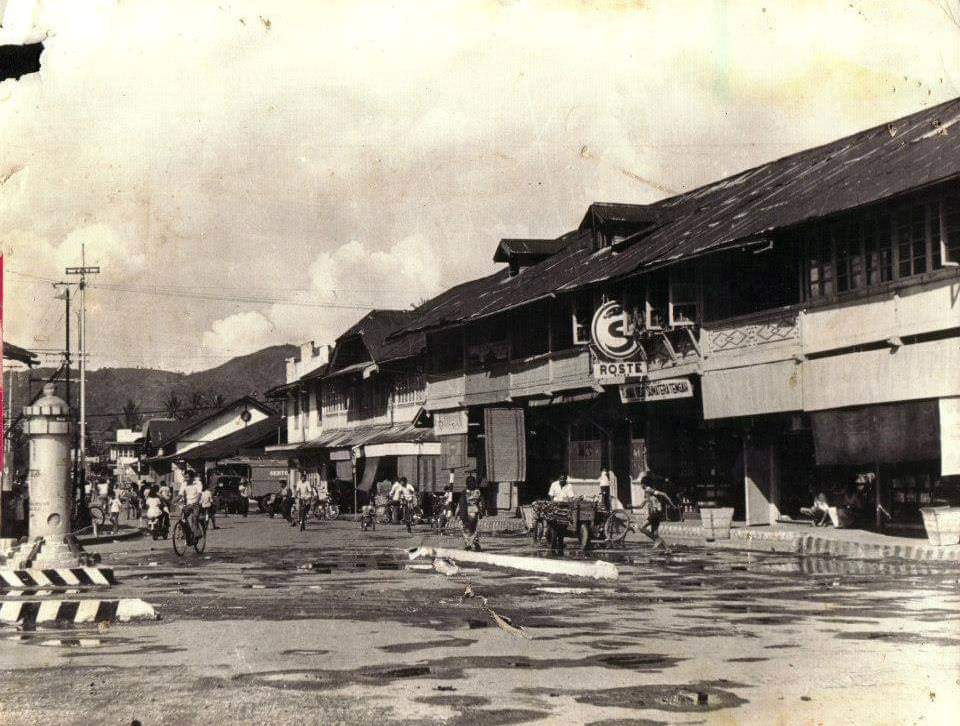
x=802 y=539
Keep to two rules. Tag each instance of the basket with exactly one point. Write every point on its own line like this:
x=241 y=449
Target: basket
x=942 y=525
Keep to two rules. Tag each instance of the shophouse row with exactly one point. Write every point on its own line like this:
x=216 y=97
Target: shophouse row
x=756 y=340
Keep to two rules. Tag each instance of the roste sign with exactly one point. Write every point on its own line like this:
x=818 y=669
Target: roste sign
x=618 y=355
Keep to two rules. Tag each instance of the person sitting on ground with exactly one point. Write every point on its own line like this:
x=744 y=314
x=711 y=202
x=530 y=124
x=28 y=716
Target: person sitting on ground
x=819 y=512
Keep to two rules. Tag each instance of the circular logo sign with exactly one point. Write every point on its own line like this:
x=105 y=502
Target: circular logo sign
x=609 y=332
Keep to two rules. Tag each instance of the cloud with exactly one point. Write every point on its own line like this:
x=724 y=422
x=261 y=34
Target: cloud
x=370 y=154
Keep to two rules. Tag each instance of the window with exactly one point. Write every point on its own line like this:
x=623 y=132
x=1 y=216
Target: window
x=409 y=389
x=949 y=228
x=912 y=240
x=449 y=351
x=582 y=318
x=847 y=240
x=295 y=403
x=584 y=451
x=561 y=332
x=877 y=249
x=305 y=407
x=531 y=331
x=684 y=297
x=658 y=301
x=820 y=265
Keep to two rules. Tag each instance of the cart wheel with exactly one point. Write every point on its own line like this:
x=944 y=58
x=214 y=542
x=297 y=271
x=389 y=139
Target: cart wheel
x=583 y=534
x=616 y=527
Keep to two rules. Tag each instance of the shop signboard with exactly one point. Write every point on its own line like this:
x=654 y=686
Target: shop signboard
x=617 y=353
x=448 y=423
x=340 y=455
x=663 y=390
x=950 y=436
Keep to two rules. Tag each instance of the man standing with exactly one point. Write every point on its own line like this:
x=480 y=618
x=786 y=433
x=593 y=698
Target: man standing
x=244 y=492
x=323 y=493
x=470 y=509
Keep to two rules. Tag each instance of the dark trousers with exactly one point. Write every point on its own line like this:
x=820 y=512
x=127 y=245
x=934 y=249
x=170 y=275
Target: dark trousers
x=303 y=506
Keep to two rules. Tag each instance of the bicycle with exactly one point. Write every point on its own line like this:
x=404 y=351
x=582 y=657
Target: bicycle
x=440 y=516
x=183 y=535
x=326 y=510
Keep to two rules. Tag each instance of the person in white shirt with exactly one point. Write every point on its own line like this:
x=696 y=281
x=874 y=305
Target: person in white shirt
x=115 y=507
x=244 y=492
x=396 y=494
x=190 y=494
x=206 y=505
x=561 y=490
x=305 y=494
x=409 y=493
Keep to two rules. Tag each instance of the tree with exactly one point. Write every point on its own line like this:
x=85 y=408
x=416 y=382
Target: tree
x=172 y=405
x=198 y=402
x=131 y=414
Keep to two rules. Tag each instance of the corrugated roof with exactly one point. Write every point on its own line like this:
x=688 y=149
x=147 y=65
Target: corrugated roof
x=256 y=435
x=376 y=434
x=869 y=166
x=373 y=329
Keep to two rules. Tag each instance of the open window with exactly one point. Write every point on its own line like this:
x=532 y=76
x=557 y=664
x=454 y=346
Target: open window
x=657 y=302
x=582 y=318
x=950 y=231
x=684 y=297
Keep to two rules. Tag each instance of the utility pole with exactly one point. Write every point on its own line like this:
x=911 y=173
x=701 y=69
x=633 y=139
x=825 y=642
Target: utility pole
x=83 y=271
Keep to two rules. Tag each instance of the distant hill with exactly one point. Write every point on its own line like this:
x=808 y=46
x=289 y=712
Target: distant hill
x=108 y=389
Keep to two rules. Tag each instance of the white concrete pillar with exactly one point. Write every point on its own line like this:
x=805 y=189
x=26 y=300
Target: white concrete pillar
x=48 y=430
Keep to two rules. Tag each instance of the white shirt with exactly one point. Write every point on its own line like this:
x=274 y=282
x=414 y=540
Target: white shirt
x=153 y=507
x=561 y=492
x=323 y=491
x=396 y=491
x=206 y=498
x=304 y=489
x=191 y=493
x=409 y=492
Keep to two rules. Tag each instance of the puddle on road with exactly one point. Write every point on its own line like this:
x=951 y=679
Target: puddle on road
x=427 y=645
x=697 y=697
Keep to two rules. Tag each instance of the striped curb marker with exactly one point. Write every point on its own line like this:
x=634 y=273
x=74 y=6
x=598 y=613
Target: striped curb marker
x=76 y=611
x=56 y=577
x=42 y=593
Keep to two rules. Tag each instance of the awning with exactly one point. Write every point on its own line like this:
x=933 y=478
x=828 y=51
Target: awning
x=364 y=369
x=370 y=469
x=561 y=398
x=505 y=444
x=404 y=433
x=884 y=433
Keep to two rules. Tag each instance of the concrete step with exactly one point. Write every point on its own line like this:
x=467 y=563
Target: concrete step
x=29 y=612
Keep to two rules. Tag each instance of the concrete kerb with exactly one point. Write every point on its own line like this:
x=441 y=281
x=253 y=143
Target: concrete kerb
x=103 y=537
x=799 y=542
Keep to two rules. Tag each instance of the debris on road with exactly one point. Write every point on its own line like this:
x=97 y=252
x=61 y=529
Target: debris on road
x=446 y=567
x=503 y=622
x=597 y=569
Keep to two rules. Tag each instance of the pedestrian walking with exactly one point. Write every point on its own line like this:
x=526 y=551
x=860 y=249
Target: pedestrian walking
x=470 y=511
x=244 y=492
x=653 y=503
x=206 y=506
x=115 y=507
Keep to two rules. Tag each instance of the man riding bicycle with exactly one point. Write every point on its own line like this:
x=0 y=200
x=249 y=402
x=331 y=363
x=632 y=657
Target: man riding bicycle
x=305 y=493
x=190 y=495
x=408 y=495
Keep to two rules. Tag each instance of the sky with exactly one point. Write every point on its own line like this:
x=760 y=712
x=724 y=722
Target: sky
x=254 y=173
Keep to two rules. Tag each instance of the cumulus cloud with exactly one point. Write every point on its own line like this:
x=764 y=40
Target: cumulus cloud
x=369 y=154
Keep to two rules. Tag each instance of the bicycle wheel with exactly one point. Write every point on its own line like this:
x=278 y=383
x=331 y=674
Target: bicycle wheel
x=98 y=516
x=616 y=527
x=179 y=538
x=200 y=542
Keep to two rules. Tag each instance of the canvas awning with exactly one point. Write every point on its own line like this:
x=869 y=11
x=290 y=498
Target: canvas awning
x=506 y=444
x=370 y=470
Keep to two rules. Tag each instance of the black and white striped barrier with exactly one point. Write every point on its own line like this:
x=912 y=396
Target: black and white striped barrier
x=56 y=577
x=76 y=611
x=37 y=592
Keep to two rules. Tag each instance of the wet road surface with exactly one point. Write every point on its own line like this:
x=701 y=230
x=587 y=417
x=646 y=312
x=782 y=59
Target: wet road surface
x=336 y=626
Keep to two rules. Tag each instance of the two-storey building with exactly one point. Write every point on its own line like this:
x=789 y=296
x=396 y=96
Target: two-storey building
x=759 y=338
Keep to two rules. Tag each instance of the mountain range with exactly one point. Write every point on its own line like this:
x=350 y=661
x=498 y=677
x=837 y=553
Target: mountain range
x=109 y=389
